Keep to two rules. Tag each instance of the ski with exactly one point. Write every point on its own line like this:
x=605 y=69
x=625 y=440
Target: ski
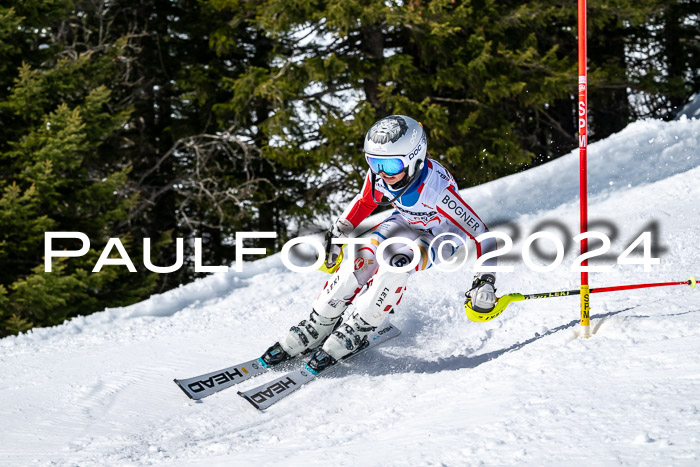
x=199 y=387
x=263 y=396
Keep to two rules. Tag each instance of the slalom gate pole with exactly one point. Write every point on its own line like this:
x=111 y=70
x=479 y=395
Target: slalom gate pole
x=583 y=164
x=691 y=282
x=506 y=300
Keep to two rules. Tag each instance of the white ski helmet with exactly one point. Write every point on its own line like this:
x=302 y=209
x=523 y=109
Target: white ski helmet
x=395 y=144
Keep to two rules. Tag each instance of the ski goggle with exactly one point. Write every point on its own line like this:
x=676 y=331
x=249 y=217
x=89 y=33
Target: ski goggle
x=390 y=165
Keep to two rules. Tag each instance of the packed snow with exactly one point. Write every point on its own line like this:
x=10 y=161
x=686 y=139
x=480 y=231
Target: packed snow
x=522 y=389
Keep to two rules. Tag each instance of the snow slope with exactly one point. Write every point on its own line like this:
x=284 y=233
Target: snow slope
x=521 y=389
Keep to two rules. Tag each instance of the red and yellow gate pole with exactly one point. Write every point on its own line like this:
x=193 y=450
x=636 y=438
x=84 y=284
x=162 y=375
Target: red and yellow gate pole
x=583 y=163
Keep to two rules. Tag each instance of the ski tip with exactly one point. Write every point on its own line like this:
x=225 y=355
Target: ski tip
x=692 y=282
x=183 y=389
x=252 y=402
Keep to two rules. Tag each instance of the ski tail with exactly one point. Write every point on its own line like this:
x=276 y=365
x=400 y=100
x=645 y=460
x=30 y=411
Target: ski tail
x=199 y=387
x=268 y=393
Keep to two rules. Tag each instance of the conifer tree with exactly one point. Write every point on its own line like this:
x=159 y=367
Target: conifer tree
x=174 y=118
x=60 y=117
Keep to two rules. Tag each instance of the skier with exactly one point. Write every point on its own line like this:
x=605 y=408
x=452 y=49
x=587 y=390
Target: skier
x=426 y=204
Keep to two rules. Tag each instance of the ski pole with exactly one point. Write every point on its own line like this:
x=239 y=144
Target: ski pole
x=507 y=299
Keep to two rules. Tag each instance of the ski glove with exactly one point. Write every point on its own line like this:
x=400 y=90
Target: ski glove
x=483 y=294
x=341 y=229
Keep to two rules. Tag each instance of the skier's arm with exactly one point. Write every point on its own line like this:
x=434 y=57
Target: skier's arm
x=358 y=210
x=360 y=207
x=451 y=205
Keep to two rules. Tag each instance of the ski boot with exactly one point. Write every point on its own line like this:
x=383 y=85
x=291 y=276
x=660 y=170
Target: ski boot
x=348 y=338
x=303 y=338
x=308 y=334
x=372 y=309
x=354 y=339
x=327 y=309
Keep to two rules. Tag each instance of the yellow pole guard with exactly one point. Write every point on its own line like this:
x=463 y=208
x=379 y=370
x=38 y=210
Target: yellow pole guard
x=501 y=304
x=585 y=310
x=335 y=267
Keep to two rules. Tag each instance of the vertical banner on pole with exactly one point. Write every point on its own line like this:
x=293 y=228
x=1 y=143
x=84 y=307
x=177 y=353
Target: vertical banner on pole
x=583 y=162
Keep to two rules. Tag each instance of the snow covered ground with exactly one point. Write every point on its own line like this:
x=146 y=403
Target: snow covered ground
x=523 y=389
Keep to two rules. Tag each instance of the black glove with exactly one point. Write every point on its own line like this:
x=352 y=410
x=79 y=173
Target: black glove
x=483 y=293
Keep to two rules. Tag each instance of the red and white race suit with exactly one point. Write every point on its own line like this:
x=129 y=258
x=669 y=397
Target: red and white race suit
x=431 y=213
x=430 y=208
